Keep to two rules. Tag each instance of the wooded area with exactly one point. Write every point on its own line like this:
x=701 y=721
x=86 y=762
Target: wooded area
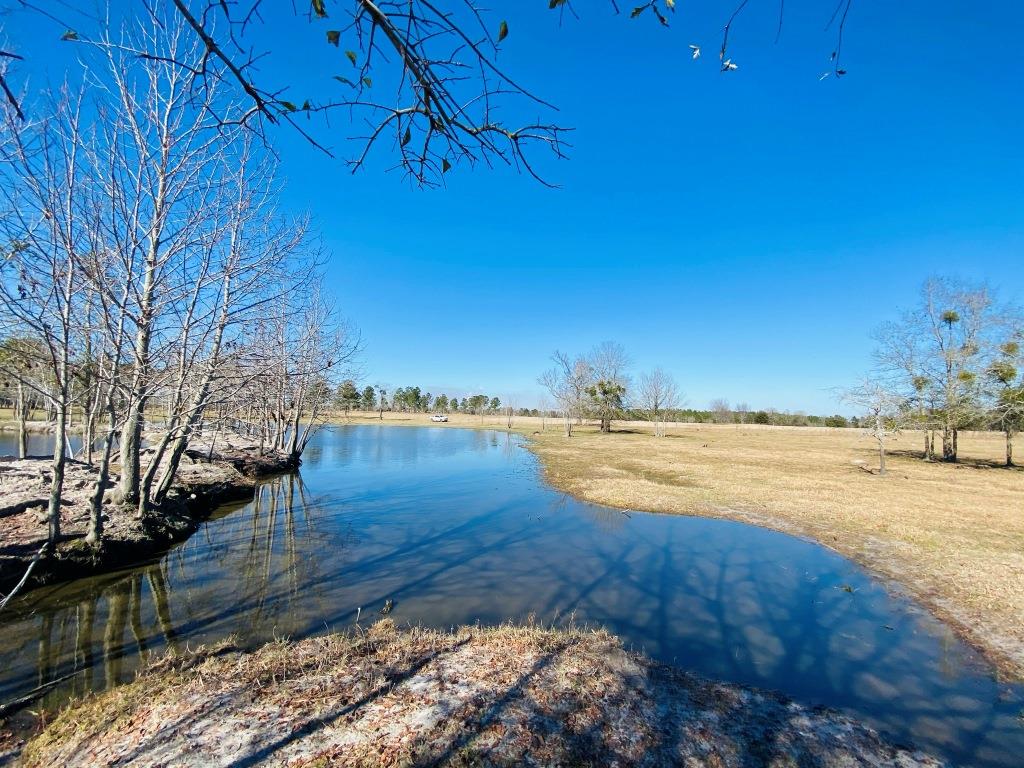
x=151 y=291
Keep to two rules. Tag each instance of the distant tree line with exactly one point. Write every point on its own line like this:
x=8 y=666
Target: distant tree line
x=741 y=415
x=597 y=386
x=349 y=396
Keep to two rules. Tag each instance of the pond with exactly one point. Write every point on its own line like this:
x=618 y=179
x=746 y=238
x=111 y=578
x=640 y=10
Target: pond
x=38 y=443
x=456 y=526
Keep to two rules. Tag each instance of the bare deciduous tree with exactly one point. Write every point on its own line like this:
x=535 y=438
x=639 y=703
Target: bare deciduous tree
x=567 y=382
x=721 y=411
x=147 y=273
x=610 y=362
x=937 y=353
x=45 y=235
x=657 y=393
x=1007 y=394
x=884 y=414
x=743 y=411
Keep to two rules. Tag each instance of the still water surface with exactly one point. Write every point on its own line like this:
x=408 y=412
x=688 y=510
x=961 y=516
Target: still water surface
x=37 y=444
x=457 y=527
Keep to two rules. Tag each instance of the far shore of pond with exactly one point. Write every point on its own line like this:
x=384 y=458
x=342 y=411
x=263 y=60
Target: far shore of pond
x=949 y=535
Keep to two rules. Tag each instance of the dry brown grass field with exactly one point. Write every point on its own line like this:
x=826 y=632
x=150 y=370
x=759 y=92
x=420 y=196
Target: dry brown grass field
x=951 y=535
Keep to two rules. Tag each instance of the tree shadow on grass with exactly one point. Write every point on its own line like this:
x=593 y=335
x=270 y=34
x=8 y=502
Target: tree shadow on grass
x=323 y=721
x=963 y=461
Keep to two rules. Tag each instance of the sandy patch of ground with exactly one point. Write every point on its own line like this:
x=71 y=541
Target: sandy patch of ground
x=505 y=696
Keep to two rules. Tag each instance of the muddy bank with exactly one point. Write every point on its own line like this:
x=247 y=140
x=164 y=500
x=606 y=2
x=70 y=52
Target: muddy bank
x=205 y=481
x=505 y=696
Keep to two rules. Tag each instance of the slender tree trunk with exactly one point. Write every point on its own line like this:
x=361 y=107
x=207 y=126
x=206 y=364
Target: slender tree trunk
x=880 y=436
x=131 y=435
x=146 y=483
x=89 y=374
x=87 y=437
x=172 y=424
x=1009 y=447
x=22 y=416
x=94 y=535
x=178 y=448
x=62 y=406
x=197 y=407
x=955 y=453
x=57 y=482
x=293 y=433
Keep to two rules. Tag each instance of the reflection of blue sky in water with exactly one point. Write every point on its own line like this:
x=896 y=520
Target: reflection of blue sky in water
x=39 y=443
x=455 y=526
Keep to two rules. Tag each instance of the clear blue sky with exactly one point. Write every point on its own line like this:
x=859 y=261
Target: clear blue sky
x=746 y=230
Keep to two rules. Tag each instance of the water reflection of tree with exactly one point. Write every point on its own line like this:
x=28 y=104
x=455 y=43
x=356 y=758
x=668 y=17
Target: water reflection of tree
x=94 y=634
x=608 y=520
x=113 y=637
x=509 y=446
x=135 y=617
x=45 y=649
x=162 y=604
x=86 y=611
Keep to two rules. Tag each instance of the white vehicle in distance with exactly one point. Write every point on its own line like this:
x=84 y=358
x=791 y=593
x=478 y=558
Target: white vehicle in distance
x=439 y=417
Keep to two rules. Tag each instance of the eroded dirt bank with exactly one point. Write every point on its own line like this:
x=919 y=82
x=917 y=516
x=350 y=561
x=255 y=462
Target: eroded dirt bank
x=505 y=696
x=205 y=480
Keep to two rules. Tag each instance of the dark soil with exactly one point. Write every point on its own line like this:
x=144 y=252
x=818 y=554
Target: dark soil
x=204 y=482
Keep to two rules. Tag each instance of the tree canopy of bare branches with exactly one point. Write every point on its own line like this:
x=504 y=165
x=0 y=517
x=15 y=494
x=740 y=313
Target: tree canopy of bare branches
x=884 y=413
x=422 y=78
x=937 y=353
x=657 y=393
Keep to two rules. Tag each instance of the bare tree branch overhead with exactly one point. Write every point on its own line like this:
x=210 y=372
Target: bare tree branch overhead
x=422 y=79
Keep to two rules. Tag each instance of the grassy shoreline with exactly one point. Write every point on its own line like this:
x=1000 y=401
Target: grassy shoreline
x=509 y=695
x=949 y=536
